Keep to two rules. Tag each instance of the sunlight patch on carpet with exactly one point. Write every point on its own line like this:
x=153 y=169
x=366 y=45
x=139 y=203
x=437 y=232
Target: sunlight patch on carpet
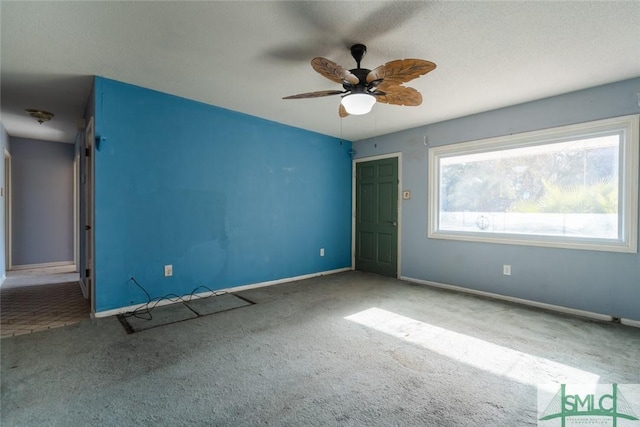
x=513 y=364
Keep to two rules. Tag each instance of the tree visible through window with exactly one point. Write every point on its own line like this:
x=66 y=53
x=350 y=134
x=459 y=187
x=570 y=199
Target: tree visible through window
x=570 y=185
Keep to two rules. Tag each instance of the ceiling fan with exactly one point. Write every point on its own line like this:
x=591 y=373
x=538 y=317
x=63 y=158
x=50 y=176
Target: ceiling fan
x=362 y=87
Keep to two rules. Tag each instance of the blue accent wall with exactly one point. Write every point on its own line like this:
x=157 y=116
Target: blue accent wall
x=226 y=198
x=601 y=282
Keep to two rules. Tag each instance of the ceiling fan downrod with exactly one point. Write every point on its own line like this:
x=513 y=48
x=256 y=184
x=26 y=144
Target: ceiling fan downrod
x=358 y=51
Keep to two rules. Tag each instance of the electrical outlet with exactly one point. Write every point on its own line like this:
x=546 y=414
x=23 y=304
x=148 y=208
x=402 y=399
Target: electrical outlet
x=321 y=251
x=168 y=270
x=506 y=270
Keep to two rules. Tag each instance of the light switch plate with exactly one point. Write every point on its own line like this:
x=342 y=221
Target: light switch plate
x=506 y=270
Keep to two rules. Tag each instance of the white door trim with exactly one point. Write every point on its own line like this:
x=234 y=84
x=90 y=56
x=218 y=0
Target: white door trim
x=89 y=219
x=7 y=210
x=76 y=211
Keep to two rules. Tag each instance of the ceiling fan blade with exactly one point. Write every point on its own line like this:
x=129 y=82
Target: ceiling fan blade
x=400 y=95
x=333 y=71
x=317 y=94
x=342 y=112
x=404 y=70
x=377 y=73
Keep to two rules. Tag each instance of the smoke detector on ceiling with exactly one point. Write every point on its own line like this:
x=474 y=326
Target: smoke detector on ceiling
x=40 y=115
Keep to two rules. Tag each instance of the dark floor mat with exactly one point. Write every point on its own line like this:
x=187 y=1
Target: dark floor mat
x=211 y=305
x=181 y=311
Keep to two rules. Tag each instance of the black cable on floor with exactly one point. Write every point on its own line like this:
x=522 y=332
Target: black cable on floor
x=144 y=311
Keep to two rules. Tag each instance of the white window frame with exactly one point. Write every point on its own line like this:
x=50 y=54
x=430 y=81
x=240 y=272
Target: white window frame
x=628 y=182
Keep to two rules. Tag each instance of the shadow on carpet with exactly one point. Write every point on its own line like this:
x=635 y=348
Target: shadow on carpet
x=152 y=317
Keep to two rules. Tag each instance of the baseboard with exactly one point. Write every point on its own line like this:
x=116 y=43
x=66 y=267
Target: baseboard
x=42 y=265
x=2 y=279
x=630 y=322
x=558 y=308
x=130 y=308
x=287 y=280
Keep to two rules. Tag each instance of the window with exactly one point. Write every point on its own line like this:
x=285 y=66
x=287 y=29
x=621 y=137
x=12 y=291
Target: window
x=571 y=187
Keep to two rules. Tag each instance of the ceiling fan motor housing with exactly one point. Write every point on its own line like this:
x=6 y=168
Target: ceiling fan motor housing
x=361 y=74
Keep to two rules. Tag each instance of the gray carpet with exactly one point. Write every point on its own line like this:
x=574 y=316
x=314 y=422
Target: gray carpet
x=347 y=349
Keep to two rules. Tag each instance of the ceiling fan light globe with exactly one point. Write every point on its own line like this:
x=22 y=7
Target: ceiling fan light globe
x=358 y=103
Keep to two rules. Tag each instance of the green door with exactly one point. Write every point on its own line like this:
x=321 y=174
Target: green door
x=377 y=216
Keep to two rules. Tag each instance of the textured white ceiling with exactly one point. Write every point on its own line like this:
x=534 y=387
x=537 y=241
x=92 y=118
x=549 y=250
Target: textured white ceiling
x=246 y=56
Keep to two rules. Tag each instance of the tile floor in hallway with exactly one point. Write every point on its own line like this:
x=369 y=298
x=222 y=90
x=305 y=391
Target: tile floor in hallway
x=40 y=299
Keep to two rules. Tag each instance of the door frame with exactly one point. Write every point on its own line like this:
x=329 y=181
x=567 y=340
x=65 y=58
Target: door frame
x=76 y=211
x=397 y=155
x=7 y=210
x=88 y=180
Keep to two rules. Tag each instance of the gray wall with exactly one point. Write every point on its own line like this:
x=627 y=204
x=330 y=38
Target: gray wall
x=601 y=282
x=42 y=201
